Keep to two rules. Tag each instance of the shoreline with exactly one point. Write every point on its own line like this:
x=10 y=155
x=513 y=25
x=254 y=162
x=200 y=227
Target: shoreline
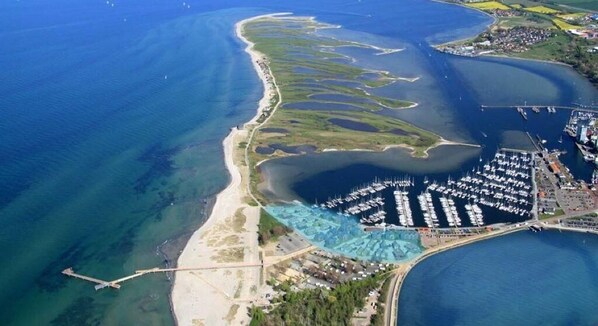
x=223 y=296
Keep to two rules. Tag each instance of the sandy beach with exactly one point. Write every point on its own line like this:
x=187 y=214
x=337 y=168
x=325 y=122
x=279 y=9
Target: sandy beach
x=229 y=236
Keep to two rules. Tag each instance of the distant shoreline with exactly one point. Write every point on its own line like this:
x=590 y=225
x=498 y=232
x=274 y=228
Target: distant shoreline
x=489 y=55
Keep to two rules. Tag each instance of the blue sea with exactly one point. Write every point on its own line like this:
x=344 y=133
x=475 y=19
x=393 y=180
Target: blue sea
x=525 y=278
x=112 y=115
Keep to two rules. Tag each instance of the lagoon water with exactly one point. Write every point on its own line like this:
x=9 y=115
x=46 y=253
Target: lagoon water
x=112 y=116
x=525 y=278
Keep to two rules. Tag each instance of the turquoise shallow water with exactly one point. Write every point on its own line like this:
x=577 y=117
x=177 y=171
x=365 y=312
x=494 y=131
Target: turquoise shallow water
x=345 y=236
x=525 y=278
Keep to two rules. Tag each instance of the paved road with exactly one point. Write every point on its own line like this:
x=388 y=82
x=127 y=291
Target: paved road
x=389 y=307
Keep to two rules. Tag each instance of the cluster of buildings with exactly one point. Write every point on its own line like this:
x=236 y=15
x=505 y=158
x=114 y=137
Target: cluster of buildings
x=588 y=24
x=513 y=40
x=505 y=13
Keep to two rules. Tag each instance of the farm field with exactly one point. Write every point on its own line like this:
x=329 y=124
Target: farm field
x=542 y=10
x=563 y=25
x=488 y=5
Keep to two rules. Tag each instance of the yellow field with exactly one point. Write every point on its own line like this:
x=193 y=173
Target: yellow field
x=516 y=6
x=542 y=10
x=572 y=16
x=564 y=25
x=488 y=5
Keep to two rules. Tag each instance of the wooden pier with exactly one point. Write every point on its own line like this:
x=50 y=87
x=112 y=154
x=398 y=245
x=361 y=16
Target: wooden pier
x=115 y=284
x=100 y=284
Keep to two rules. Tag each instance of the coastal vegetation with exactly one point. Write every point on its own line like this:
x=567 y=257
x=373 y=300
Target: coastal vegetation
x=316 y=306
x=378 y=318
x=327 y=101
x=570 y=50
x=269 y=229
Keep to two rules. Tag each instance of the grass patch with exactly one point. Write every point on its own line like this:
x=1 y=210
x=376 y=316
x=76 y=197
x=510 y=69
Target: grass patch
x=239 y=221
x=229 y=255
x=526 y=21
x=269 y=229
x=550 y=49
x=558 y=212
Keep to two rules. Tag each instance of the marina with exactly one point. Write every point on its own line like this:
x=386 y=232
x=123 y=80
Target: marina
x=503 y=183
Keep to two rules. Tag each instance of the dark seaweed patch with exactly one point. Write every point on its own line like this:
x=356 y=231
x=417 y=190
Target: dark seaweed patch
x=80 y=312
x=161 y=165
x=51 y=278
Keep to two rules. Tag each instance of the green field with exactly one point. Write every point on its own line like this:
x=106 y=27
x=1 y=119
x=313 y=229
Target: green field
x=548 y=50
x=510 y=22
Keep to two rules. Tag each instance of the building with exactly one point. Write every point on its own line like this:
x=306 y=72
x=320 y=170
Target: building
x=582 y=134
